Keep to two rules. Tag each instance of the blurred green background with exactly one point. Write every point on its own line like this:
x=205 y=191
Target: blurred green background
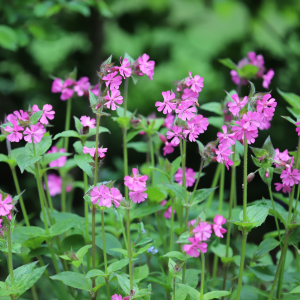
x=42 y=38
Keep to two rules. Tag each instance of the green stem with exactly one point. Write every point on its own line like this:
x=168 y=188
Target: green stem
x=213 y=185
x=63 y=194
x=67 y=123
x=47 y=191
x=202 y=276
x=198 y=179
x=86 y=216
x=9 y=255
x=291 y=200
x=172 y=226
x=94 y=243
x=280 y=265
x=183 y=168
x=13 y=171
x=276 y=220
x=125 y=154
x=174 y=288
x=123 y=229
x=34 y=293
x=104 y=253
x=152 y=158
x=129 y=248
x=221 y=195
x=84 y=273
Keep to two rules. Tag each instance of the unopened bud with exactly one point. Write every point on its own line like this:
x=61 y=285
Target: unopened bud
x=267 y=173
x=132 y=292
x=179 y=88
x=249 y=178
x=98 y=106
x=85 y=130
x=135 y=121
x=280 y=163
x=163 y=138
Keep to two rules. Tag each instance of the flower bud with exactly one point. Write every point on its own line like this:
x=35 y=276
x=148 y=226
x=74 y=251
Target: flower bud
x=280 y=163
x=163 y=138
x=98 y=106
x=267 y=173
x=85 y=130
x=249 y=178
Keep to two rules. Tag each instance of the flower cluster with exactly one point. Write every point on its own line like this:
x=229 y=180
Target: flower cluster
x=6 y=207
x=202 y=232
x=189 y=177
x=104 y=196
x=137 y=186
x=257 y=61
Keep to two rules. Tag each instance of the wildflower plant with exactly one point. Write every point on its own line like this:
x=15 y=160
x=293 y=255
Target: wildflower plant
x=153 y=233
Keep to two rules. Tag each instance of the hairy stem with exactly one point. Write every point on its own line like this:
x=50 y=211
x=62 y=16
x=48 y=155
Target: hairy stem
x=129 y=248
x=67 y=123
x=276 y=220
x=86 y=216
x=9 y=255
x=125 y=154
x=202 y=276
x=47 y=191
x=213 y=185
x=104 y=252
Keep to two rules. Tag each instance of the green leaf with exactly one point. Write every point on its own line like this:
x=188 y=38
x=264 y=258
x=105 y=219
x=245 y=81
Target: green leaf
x=155 y=194
x=124 y=283
x=289 y=119
x=266 y=273
x=120 y=112
x=262 y=173
x=177 y=255
x=94 y=273
x=70 y=164
x=215 y=294
x=248 y=71
x=75 y=280
x=68 y=133
x=36 y=116
x=214 y=107
x=93 y=98
x=296 y=290
x=131 y=60
x=16 y=247
x=3 y=158
x=201 y=194
x=291 y=98
x=175 y=165
x=111 y=242
x=140 y=273
x=78 y=124
x=8 y=38
x=264 y=248
x=2 y=137
x=257 y=214
x=100 y=130
x=220 y=250
x=256 y=161
x=64 y=225
x=83 y=251
x=252 y=90
x=178 y=190
x=191 y=291
x=217 y=122
x=79 y=7
x=22 y=234
x=40 y=148
x=269 y=147
x=143 y=211
x=259 y=152
x=48 y=157
x=227 y=62
x=118 y=265
x=25 y=160
x=83 y=163
x=138 y=146
x=201 y=147
x=131 y=134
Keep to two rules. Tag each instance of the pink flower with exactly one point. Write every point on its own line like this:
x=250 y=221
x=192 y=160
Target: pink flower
x=196 y=83
x=236 y=106
x=54 y=184
x=5 y=205
x=251 y=120
x=18 y=115
x=60 y=162
x=192 y=250
x=92 y=151
x=189 y=95
x=138 y=196
x=168 y=148
x=81 y=86
x=200 y=122
x=95 y=90
x=265 y=123
x=285 y=188
x=290 y=177
x=217 y=227
x=136 y=182
x=240 y=131
x=15 y=135
x=256 y=60
x=113 y=99
x=87 y=122
x=125 y=69
x=266 y=106
x=101 y=196
x=113 y=81
x=167 y=106
x=58 y=86
x=169 y=121
x=189 y=176
x=223 y=154
x=175 y=135
x=184 y=111
x=48 y=113
x=115 y=196
x=226 y=138
x=146 y=66
x=298 y=128
x=203 y=231
x=236 y=78
x=267 y=78
x=116 y=297
x=35 y=133
x=192 y=131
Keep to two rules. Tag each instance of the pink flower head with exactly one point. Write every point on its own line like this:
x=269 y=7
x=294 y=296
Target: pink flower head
x=251 y=120
x=189 y=95
x=236 y=106
x=81 y=86
x=87 y=122
x=18 y=115
x=226 y=138
x=59 y=86
x=15 y=135
x=285 y=188
x=175 y=134
x=169 y=121
x=192 y=131
x=189 y=176
x=101 y=196
x=136 y=182
x=217 y=227
x=192 y=250
x=95 y=90
x=138 y=196
x=236 y=78
x=184 y=111
x=298 y=128
x=290 y=176
x=35 y=133
x=54 y=184
x=195 y=83
x=5 y=205
x=146 y=66
x=223 y=154
x=115 y=196
x=266 y=106
x=112 y=99
x=265 y=123
x=116 y=297
x=92 y=151
x=203 y=231
x=200 y=122
x=60 y=162
x=48 y=113
x=167 y=106
x=168 y=148
x=125 y=69
x=267 y=78
x=256 y=60
x=113 y=81
x=251 y=135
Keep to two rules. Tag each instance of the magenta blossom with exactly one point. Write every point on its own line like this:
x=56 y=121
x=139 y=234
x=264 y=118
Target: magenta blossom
x=60 y=162
x=125 y=69
x=81 y=86
x=18 y=115
x=168 y=148
x=112 y=81
x=240 y=131
x=175 y=135
x=136 y=182
x=185 y=111
x=95 y=90
x=290 y=176
x=92 y=151
x=169 y=121
x=236 y=106
x=59 y=86
x=203 y=231
x=15 y=134
x=281 y=158
x=251 y=120
x=195 y=83
x=200 y=122
x=5 y=205
x=192 y=131
x=266 y=106
x=189 y=176
x=267 y=78
x=285 y=188
x=48 y=113
x=115 y=196
x=167 y=106
x=146 y=66
x=87 y=122
x=226 y=138
x=265 y=123
x=34 y=133
x=189 y=95
x=116 y=297
x=112 y=99
x=54 y=184
x=223 y=154
x=298 y=128
x=138 y=196
x=101 y=196
x=192 y=250
x=217 y=227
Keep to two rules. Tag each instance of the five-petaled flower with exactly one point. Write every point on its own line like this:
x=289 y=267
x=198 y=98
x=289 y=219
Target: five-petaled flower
x=192 y=249
x=48 y=113
x=5 y=205
x=34 y=133
x=15 y=134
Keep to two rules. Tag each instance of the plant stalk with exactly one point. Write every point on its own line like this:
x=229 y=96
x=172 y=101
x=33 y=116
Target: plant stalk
x=86 y=216
x=129 y=248
x=104 y=253
x=213 y=185
x=9 y=255
x=202 y=276
x=125 y=154
x=276 y=220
